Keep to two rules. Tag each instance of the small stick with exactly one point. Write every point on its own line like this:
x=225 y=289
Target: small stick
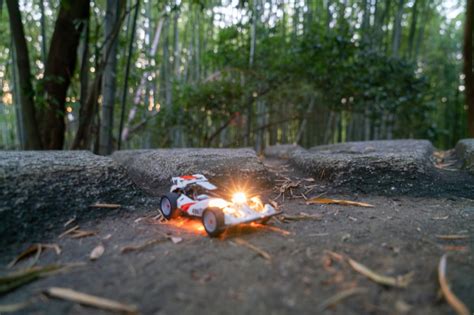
x=69 y=231
x=452 y=299
x=105 y=205
x=259 y=251
x=338 y=297
x=452 y=237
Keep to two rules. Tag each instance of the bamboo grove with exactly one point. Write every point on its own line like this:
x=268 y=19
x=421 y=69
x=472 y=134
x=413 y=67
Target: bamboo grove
x=116 y=74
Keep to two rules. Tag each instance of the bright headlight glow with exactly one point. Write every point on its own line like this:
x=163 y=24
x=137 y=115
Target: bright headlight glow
x=239 y=198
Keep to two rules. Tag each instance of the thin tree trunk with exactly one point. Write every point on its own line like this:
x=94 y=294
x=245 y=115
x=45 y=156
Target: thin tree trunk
x=127 y=73
x=26 y=95
x=16 y=100
x=138 y=93
x=59 y=70
x=397 y=29
x=43 y=33
x=109 y=78
x=309 y=110
x=468 y=66
x=413 y=25
x=84 y=72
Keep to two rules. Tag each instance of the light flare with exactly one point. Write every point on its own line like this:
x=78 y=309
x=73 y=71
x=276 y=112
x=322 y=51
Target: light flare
x=239 y=198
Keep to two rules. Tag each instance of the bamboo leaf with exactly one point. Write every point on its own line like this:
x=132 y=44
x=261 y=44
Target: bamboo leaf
x=338 y=202
x=90 y=300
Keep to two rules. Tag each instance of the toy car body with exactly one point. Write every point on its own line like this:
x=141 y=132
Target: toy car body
x=188 y=195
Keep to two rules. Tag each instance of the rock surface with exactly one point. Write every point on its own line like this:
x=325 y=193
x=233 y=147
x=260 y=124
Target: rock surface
x=281 y=151
x=376 y=165
x=152 y=170
x=40 y=189
x=465 y=152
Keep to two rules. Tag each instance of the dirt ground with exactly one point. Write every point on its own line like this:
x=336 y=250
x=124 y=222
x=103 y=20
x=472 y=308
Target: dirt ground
x=306 y=263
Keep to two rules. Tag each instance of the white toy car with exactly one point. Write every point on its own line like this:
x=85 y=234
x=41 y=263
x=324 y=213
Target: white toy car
x=189 y=196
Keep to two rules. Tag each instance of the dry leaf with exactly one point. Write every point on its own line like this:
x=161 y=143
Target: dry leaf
x=13 y=308
x=318 y=200
x=90 y=300
x=176 y=239
x=75 y=232
x=69 y=231
x=300 y=217
x=97 y=252
x=452 y=237
x=17 y=279
x=333 y=300
x=452 y=299
x=132 y=248
x=399 y=281
x=69 y=221
x=105 y=205
x=35 y=248
x=259 y=251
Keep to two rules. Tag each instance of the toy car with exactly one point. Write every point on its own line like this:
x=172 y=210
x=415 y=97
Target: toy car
x=189 y=196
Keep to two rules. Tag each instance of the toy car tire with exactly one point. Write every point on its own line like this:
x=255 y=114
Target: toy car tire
x=213 y=221
x=169 y=205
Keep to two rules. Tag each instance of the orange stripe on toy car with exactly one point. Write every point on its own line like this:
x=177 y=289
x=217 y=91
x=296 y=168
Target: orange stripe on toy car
x=188 y=177
x=186 y=206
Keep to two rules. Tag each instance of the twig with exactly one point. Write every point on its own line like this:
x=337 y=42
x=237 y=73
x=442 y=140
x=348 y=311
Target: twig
x=132 y=248
x=69 y=231
x=259 y=251
x=452 y=237
x=338 y=297
x=90 y=300
x=399 y=281
x=105 y=205
x=452 y=300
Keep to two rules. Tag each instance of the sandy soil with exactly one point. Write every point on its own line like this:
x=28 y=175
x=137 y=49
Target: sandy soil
x=306 y=263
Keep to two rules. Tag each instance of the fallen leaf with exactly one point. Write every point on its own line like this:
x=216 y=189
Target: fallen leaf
x=333 y=300
x=17 y=279
x=300 y=217
x=452 y=237
x=131 y=248
x=69 y=221
x=105 y=205
x=318 y=200
x=13 y=308
x=259 y=251
x=176 y=239
x=75 y=232
x=35 y=248
x=455 y=248
x=399 y=281
x=97 y=252
x=452 y=299
x=441 y=218
x=90 y=300
x=68 y=231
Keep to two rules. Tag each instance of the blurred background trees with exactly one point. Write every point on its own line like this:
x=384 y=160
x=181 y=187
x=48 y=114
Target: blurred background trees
x=103 y=75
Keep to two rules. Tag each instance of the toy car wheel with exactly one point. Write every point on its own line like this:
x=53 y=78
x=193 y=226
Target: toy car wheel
x=213 y=221
x=169 y=205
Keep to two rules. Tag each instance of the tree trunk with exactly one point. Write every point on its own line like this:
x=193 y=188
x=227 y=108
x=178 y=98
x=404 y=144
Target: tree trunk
x=127 y=73
x=109 y=77
x=26 y=97
x=43 y=33
x=397 y=29
x=59 y=69
x=138 y=93
x=468 y=66
x=413 y=25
